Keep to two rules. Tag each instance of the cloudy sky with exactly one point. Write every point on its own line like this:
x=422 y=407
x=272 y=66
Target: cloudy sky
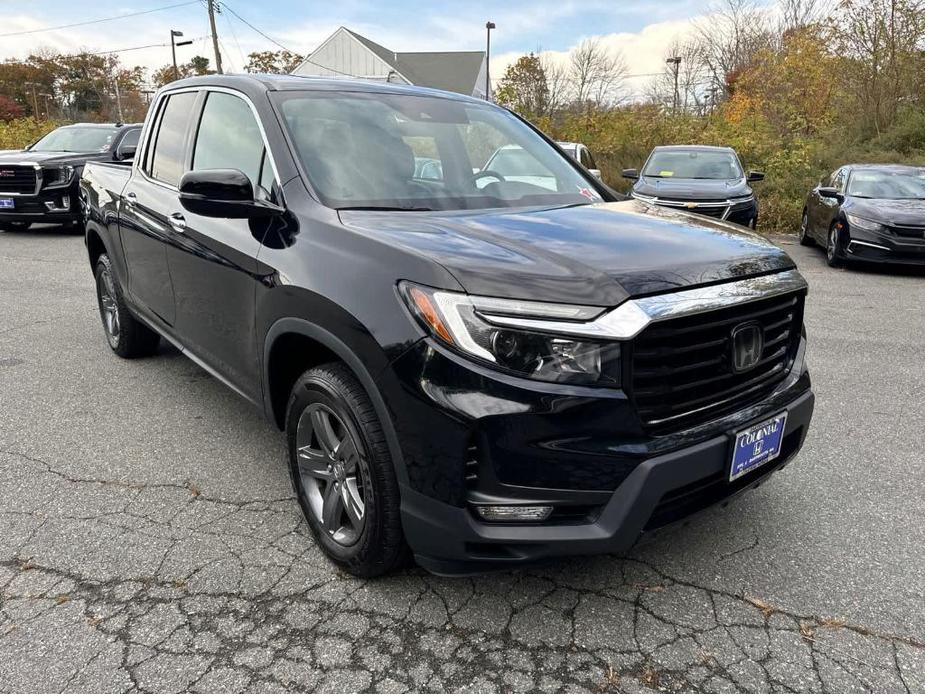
x=641 y=29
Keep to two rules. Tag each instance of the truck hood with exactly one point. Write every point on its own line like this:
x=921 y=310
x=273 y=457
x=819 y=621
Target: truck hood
x=20 y=156
x=692 y=188
x=598 y=254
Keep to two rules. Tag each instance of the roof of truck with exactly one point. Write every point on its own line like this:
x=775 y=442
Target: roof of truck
x=265 y=82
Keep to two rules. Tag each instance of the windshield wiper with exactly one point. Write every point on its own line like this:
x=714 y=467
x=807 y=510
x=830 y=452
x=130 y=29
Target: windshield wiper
x=385 y=208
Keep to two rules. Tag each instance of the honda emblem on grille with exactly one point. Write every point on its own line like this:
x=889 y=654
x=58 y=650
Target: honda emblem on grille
x=7 y=173
x=747 y=345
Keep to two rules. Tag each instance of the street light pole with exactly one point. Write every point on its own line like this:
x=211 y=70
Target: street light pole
x=173 y=51
x=676 y=61
x=488 y=27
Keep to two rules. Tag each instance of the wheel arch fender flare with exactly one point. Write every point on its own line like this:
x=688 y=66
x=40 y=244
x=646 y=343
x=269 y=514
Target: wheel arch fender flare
x=339 y=348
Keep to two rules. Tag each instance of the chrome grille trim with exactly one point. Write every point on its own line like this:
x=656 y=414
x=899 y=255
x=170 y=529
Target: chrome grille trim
x=630 y=318
x=36 y=168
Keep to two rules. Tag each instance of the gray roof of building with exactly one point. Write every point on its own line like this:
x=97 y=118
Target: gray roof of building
x=454 y=71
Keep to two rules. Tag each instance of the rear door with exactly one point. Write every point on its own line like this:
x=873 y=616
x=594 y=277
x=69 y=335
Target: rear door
x=148 y=200
x=213 y=261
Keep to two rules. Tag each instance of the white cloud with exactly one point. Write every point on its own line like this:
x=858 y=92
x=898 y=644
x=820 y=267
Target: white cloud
x=644 y=51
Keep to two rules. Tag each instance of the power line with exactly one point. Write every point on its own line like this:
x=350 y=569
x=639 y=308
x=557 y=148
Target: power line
x=98 y=21
x=274 y=41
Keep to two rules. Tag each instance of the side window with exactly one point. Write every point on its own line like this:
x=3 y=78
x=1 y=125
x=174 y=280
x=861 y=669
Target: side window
x=229 y=138
x=168 y=161
x=588 y=159
x=842 y=181
x=131 y=138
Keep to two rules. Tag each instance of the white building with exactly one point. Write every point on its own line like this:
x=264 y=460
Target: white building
x=347 y=54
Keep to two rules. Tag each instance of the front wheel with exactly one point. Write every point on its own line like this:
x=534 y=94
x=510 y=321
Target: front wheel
x=805 y=239
x=126 y=335
x=342 y=472
x=834 y=246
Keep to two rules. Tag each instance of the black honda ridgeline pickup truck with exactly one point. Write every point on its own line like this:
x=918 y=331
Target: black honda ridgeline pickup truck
x=475 y=369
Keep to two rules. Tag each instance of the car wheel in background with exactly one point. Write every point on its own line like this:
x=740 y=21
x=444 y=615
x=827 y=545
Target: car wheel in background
x=805 y=238
x=15 y=226
x=127 y=336
x=834 y=245
x=342 y=472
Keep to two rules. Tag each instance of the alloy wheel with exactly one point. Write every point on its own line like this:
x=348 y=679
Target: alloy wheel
x=832 y=245
x=333 y=473
x=109 y=308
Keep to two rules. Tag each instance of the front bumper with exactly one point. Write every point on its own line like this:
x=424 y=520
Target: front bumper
x=471 y=436
x=55 y=206
x=879 y=247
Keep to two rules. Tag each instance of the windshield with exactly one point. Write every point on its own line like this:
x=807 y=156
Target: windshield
x=395 y=151
x=692 y=163
x=76 y=139
x=888 y=185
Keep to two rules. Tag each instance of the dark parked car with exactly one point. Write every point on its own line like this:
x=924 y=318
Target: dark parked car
x=701 y=179
x=480 y=373
x=870 y=212
x=40 y=183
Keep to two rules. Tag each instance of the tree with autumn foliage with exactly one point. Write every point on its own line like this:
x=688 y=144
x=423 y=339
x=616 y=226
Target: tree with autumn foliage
x=273 y=62
x=523 y=88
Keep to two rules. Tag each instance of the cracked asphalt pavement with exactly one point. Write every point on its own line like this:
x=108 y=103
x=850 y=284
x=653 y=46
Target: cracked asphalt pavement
x=149 y=540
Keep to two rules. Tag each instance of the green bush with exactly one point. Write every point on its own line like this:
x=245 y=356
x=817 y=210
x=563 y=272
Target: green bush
x=20 y=132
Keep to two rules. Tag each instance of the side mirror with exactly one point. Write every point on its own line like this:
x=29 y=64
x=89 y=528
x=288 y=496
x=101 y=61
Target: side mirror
x=631 y=174
x=596 y=173
x=224 y=193
x=125 y=152
x=755 y=176
x=830 y=193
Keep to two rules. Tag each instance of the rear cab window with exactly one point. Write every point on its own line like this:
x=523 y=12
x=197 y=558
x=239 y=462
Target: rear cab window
x=166 y=162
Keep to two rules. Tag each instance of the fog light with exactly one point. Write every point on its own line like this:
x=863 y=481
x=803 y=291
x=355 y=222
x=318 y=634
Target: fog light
x=514 y=513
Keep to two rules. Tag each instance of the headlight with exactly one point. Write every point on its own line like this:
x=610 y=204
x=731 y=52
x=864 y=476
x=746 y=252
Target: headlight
x=464 y=323
x=57 y=176
x=861 y=223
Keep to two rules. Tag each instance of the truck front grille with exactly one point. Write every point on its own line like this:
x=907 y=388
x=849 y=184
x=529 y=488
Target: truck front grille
x=681 y=370
x=18 y=178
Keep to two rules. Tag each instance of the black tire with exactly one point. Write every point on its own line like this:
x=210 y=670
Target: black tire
x=331 y=392
x=126 y=335
x=834 y=246
x=805 y=238
x=15 y=226
x=76 y=228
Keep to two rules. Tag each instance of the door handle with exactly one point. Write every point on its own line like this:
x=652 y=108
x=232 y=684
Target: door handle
x=177 y=221
x=130 y=199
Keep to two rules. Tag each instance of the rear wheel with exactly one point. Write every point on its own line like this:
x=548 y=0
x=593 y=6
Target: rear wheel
x=342 y=472
x=126 y=335
x=805 y=238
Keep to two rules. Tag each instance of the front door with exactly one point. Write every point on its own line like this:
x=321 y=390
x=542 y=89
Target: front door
x=213 y=260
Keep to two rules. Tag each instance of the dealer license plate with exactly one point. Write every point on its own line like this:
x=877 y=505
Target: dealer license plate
x=757 y=445
x=7 y=203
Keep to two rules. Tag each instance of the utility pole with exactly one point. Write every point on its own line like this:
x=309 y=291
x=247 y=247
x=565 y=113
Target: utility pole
x=676 y=61
x=488 y=27
x=218 y=55
x=35 y=100
x=118 y=101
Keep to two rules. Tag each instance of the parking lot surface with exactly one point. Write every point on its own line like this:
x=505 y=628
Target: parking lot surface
x=149 y=540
